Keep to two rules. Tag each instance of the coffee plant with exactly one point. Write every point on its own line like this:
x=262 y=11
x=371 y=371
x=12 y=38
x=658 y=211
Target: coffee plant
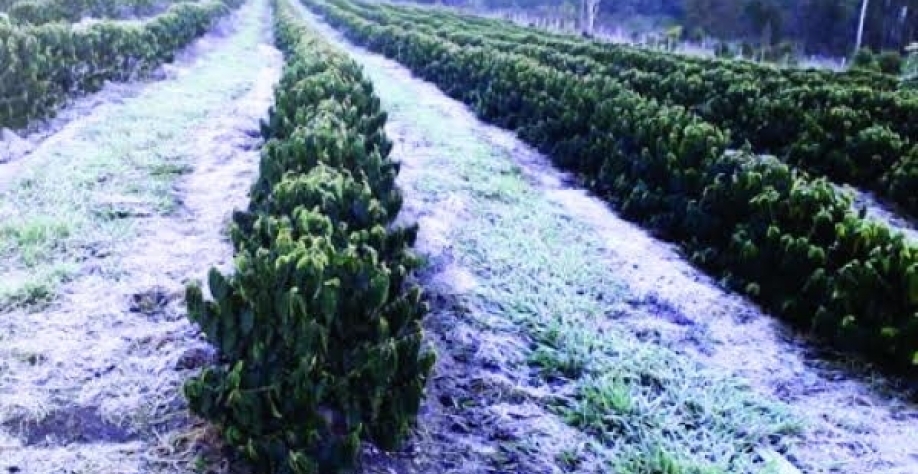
x=791 y=242
x=47 y=64
x=318 y=329
x=814 y=120
x=38 y=12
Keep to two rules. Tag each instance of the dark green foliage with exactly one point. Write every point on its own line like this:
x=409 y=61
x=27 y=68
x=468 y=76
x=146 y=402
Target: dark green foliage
x=902 y=180
x=37 y=12
x=890 y=62
x=807 y=118
x=865 y=60
x=790 y=242
x=697 y=35
x=45 y=65
x=318 y=329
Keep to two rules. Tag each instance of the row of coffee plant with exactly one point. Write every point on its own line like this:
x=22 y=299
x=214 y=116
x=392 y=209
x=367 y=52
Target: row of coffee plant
x=851 y=134
x=692 y=81
x=36 y=12
x=659 y=61
x=790 y=242
x=46 y=65
x=318 y=329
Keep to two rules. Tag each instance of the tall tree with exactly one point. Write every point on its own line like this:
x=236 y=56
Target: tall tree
x=718 y=18
x=588 y=11
x=765 y=20
x=860 y=25
x=824 y=26
x=819 y=26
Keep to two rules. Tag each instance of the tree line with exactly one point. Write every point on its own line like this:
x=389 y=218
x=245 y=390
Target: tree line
x=816 y=26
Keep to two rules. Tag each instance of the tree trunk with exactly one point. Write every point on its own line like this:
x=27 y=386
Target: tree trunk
x=588 y=11
x=860 y=26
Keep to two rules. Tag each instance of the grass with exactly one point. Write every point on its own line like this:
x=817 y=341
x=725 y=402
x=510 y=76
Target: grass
x=648 y=403
x=79 y=197
x=654 y=409
x=77 y=210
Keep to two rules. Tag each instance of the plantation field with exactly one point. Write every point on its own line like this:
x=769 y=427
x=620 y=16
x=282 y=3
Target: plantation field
x=851 y=127
x=37 y=12
x=319 y=236
x=47 y=62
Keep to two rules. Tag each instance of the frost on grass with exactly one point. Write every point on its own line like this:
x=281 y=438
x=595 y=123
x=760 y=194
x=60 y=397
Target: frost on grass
x=603 y=328
x=91 y=381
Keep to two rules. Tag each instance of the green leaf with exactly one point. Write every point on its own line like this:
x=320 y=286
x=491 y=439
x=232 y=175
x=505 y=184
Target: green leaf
x=217 y=284
x=247 y=321
x=912 y=275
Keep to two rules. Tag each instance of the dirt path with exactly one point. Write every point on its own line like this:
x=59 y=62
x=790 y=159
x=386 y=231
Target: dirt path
x=571 y=341
x=91 y=384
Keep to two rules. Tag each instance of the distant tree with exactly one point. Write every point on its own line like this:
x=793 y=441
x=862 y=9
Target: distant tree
x=865 y=60
x=818 y=26
x=910 y=68
x=722 y=50
x=719 y=18
x=672 y=36
x=824 y=25
x=696 y=35
x=747 y=50
x=890 y=62
x=888 y=24
x=588 y=11
x=860 y=25
x=765 y=19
